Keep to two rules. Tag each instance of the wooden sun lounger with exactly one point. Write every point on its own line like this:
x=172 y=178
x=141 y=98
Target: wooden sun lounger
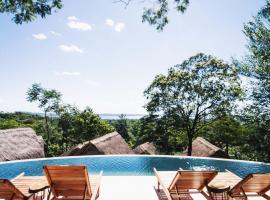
x=72 y=182
x=183 y=182
x=18 y=188
x=255 y=184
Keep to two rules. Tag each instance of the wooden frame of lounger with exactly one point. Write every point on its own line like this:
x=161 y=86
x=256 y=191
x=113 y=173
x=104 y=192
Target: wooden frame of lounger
x=71 y=182
x=185 y=180
x=252 y=183
x=9 y=191
x=18 y=187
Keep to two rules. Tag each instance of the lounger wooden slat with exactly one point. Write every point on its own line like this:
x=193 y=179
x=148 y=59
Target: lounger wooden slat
x=72 y=182
x=184 y=182
x=18 y=188
x=252 y=183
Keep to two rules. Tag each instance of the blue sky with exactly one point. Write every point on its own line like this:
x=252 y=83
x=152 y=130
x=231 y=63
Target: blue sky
x=99 y=54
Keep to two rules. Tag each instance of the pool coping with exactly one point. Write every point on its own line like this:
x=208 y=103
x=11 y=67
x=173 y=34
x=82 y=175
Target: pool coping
x=130 y=155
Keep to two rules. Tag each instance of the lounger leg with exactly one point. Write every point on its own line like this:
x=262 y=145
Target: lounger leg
x=84 y=193
x=49 y=195
x=98 y=193
x=205 y=195
x=266 y=196
x=158 y=185
x=243 y=191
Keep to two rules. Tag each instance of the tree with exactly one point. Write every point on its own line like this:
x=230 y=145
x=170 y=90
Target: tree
x=257 y=66
x=257 y=63
x=195 y=91
x=28 y=10
x=158 y=14
x=121 y=126
x=226 y=132
x=87 y=125
x=48 y=100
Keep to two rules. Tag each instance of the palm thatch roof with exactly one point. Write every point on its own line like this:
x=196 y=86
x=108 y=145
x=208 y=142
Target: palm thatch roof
x=111 y=143
x=146 y=148
x=20 y=143
x=203 y=148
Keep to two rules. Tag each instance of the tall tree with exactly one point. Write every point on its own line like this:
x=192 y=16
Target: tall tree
x=195 y=90
x=121 y=126
x=48 y=100
x=257 y=62
x=226 y=132
x=28 y=10
x=257 y=67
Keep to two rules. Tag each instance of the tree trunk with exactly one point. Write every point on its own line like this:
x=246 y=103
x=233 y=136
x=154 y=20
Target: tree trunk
x=189 y=144
x=47 y=132
x=227 y=149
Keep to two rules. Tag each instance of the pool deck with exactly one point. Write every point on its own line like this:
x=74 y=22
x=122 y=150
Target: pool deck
x=136 y=188
x=132 y=188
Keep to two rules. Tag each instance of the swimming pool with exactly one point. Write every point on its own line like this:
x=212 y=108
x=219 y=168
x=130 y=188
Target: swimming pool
x=135 y=165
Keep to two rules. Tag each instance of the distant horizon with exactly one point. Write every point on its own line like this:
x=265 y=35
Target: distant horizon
x=101 y=115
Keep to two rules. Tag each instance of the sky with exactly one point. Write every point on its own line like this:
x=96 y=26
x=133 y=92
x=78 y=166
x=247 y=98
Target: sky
x=98 y=53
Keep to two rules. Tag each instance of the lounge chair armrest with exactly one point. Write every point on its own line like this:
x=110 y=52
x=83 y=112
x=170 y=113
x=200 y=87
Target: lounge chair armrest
x=95 y=192
x=165 y=190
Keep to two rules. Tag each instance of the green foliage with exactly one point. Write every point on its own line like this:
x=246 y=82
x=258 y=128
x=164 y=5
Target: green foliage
x=28 y=10
x=158 y=15
x=121 y=127
x=10 y=123
x=164 y=132
x=195 y=90
x=70 y=126
x=225 y=132
x=257 y=67
x=48 y=100
x=88 y=125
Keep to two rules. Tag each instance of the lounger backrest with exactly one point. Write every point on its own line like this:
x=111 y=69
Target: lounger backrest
x=253 y=183
x=68 y=181
x=9 y=191
x=191 y=179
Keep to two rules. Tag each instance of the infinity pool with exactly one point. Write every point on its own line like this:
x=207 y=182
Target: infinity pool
x=125 y=165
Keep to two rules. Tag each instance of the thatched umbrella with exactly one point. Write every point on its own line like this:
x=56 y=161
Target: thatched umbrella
x=111 y=143
x=203 y=148
x=20 y=143
x=146 y=148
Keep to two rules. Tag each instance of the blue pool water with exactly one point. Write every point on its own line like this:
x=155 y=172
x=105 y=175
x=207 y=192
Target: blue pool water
x=132 y=165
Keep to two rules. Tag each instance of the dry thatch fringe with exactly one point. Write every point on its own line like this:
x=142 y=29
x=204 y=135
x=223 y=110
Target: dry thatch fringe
x=111 y=143
x=20 y=143
x=146 y=148
x=203 y=148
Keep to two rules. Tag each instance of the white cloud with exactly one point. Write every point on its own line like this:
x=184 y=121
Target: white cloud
x=40 y=36
x=1 y=100
x=75 y=23
x=67 y=73
x=73 y=18
x=119 y=26
x=81 y=26
x=92 y=83
x=71 y=73
x=71 y=49
x=55 y=33
x=109 y=22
